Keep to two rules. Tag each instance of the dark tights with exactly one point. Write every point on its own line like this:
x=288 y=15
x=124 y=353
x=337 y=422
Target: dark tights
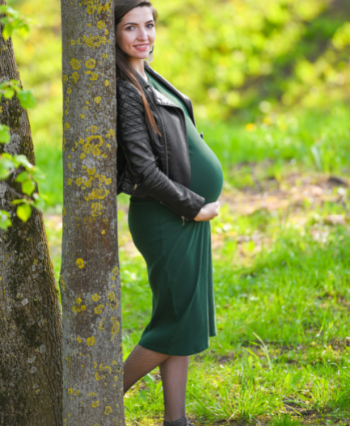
x=173 y=370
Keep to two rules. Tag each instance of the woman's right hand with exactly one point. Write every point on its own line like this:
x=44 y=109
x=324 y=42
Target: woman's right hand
x=208 y=212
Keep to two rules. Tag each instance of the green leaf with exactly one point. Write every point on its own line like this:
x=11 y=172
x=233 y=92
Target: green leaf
x=6 y=33
x=26 y=99
x=39 y=201
x=6 y=162
x=4 y=134
x=8 y=10
x=22 y=177
x=37 y=174
x=8 y=92
x=23 y=30
x=13 y=21
x=24 y=211
x=23 y=161
x=28 y=187
x=18 y=201
x=5 y=220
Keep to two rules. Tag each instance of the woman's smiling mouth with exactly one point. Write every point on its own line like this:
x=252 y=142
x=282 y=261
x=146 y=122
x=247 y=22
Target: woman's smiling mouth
x=141 y=47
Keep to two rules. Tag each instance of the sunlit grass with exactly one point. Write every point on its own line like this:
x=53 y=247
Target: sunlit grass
x=314 y=141
x=283 y=341
x=282 y=302
x=282 y=275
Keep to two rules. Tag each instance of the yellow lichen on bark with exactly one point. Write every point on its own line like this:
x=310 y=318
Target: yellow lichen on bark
x=99 y=309
x=90 y=341
x=92 y=148
x=94 y=75
x=110 y=134
x=96 y=209
x=95 y=297
x=97 y=194
x=115 y=328
x=95 y=6
x=115 y=272
x=75 y=64
x=75 y=77
x=90 y=63
x=108 y=410
x=101 y=25
x=80 y=263
x=98 y=377
x=94 y=41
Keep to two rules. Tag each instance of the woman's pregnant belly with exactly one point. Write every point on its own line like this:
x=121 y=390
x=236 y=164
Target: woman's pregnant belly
x=206 y=171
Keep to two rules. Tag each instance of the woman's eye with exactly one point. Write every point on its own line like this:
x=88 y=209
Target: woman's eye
x=150 y=25
x=129 y=28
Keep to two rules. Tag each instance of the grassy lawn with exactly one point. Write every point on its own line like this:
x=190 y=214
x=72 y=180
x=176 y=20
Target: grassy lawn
x=282 y=278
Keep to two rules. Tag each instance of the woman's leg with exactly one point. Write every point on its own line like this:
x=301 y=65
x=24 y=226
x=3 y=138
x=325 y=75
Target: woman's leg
x=174 y=377
x=139 y=363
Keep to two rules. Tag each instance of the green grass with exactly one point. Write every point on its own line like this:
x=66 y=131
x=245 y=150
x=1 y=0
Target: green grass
x=281 y=272
x=283 y=335
x=313 y=140
x=282 y=283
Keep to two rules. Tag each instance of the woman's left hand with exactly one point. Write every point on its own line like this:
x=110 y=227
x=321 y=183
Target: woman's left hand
x=208 y=212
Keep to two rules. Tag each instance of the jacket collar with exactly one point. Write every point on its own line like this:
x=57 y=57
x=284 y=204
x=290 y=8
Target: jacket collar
x=143 y=83
x=160 y=98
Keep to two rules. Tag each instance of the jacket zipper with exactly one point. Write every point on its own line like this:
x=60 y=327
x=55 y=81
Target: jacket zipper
x=166 y=145
x=165 y=139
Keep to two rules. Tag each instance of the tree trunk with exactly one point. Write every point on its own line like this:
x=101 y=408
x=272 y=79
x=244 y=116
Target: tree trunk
x=90 y=284
x=30 y=317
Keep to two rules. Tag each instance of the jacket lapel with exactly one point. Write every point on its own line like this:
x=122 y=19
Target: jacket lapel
x=185 y=99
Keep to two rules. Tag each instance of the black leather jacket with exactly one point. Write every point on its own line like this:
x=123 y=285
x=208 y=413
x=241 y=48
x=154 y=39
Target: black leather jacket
x=148 y=165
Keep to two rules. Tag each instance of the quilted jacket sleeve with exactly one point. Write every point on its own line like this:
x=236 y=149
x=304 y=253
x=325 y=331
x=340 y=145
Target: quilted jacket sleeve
x=134 y=138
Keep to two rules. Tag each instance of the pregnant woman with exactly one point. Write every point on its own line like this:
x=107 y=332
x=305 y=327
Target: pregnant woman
x=174 y=180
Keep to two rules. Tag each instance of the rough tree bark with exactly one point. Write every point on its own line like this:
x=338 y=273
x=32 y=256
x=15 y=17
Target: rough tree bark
x=90 y=284
x=30 y=317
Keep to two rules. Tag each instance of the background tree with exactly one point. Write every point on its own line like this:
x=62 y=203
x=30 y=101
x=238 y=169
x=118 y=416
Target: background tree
x=89 y=281
x=30 y=322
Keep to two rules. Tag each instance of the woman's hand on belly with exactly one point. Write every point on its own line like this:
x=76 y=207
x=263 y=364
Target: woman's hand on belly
x=208 y=211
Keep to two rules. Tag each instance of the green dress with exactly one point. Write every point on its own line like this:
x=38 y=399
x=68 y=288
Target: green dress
x=178 y=256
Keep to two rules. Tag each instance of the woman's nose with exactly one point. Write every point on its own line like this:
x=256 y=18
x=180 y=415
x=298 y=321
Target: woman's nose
x=142 y=35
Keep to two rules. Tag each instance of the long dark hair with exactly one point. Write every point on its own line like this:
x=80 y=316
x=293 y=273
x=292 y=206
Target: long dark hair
x=125 y=70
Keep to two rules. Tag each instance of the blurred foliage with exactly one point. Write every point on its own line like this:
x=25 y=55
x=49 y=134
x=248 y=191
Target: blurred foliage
x=39 y=61
x=12 y=21
x=228 y=56
x=237 y=60
x=240 y=54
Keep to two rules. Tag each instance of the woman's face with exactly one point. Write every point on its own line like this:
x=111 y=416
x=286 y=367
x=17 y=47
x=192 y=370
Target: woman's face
x=136 y=32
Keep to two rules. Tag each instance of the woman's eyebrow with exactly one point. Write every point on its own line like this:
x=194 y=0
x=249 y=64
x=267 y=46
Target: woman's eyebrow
x=134 y=23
